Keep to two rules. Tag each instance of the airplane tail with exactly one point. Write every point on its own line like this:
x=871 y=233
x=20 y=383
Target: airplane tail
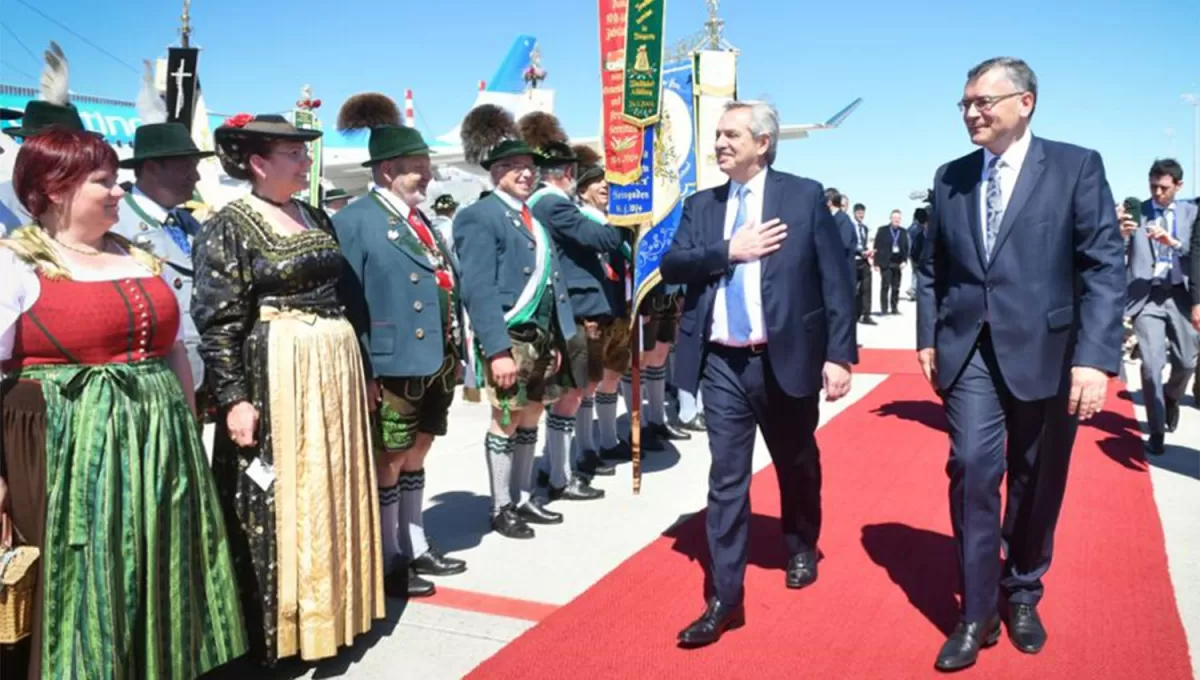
x=507 y=87
x=842 y=115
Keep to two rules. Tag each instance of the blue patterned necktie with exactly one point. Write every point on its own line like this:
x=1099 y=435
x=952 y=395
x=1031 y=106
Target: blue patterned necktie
x=995 y=205
x=172 y=225
x=736 y=314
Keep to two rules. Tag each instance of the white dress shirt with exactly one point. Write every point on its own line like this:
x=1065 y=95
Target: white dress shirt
x=1009 y=169
x=752 y=281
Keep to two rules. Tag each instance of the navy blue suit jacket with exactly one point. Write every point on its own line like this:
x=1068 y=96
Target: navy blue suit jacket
x=807 y=285
x=1053 y=291
x=847 y=232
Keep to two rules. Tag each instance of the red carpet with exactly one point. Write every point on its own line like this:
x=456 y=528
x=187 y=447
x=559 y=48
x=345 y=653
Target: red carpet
x=885 y=599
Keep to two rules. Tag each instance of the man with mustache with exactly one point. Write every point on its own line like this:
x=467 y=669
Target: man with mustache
x=402 y=292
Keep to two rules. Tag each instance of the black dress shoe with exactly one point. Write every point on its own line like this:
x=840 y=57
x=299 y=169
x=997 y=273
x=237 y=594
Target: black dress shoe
x=669 y=432
x=592 y=465
x=434 y=563
x=1172 y=413
x=1156 y=445
x=696 y=424
x=868 y=321
x=532 y=512
x=510 y=525
x=403 y=582
x=802 y=569
x=576 y=490
x=1025 y=628
x=716 y=619
x=622 y=451
x=962 y=649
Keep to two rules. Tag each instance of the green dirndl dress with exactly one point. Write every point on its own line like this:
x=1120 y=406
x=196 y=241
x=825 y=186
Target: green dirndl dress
x=136 y=575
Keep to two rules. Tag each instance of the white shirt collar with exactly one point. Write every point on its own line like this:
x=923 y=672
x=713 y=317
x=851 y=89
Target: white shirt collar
x=402 y=209
x=509 y=199
x=148 y=205
x=1159 y=209
x=1013 y=157
x=754 y=186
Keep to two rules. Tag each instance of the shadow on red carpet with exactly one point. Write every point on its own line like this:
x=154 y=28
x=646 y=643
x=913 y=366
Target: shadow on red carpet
x=887 y=592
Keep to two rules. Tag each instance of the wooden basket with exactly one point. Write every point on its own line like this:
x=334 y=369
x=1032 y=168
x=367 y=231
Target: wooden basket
x=17 y=580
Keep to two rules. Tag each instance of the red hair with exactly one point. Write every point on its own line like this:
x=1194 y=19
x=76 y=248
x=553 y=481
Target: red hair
x=56 y=162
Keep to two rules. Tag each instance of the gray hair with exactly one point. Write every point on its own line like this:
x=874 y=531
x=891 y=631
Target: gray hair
x=764 y=120
x=1016 y=70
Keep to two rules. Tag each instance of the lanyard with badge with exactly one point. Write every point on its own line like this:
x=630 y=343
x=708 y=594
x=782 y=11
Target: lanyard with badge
x=1164 y=254
x=895 y=241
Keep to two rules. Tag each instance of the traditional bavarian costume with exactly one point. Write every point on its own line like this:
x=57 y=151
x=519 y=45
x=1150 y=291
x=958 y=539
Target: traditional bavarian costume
x=516 y=299
x=408 y=315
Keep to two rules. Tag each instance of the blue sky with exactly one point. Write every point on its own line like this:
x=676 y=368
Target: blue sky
x=1109 y=80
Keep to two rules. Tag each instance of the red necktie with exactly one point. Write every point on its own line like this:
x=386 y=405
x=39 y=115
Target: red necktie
x=527 y=218
x=423 y=233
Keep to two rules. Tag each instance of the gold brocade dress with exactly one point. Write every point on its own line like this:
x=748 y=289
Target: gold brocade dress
x=301 y=505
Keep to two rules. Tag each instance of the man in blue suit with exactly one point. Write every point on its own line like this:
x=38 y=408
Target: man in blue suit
x=1019 y=308
x=768 y=321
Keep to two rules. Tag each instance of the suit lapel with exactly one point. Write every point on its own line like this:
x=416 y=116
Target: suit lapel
x=401 y=236
x=513 y=217
x=1031 y=172
x=975 y=173
x=715 y=214
x=771 y=201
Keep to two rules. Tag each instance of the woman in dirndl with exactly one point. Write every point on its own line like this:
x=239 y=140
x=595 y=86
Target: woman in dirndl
x=102 y=456
x=292 y=454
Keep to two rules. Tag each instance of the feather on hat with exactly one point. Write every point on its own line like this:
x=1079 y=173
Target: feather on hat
x=587 y=155
x=366 y=111
x=54 y=76
x=150 y=107
x=483 y=128
x=539 y=129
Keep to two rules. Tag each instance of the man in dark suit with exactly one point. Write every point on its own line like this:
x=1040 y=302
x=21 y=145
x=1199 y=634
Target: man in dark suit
x=891 y=247
x=401 y=291
x=1019 y=328
x=768 y=321
x=864 y=256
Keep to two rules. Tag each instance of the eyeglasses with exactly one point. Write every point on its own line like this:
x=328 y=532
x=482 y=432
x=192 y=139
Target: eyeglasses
x=984 y=104
x=518 y=168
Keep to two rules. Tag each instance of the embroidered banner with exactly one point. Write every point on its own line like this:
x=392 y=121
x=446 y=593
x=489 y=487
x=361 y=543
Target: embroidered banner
x=622 y=140
x=674 y=170
x=632 y=204
x=643 y=61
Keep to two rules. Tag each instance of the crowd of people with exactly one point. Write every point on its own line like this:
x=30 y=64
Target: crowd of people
x=327 y=345
x=331 y=348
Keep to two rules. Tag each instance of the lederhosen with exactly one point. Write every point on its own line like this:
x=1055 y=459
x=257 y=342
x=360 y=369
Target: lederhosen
x=412 y=405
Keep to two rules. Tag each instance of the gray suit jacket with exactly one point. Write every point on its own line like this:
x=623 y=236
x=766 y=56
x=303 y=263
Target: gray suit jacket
x=1139 y=265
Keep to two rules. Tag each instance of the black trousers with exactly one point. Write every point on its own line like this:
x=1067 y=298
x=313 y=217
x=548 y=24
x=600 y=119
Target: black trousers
x=889 y=286
x=991 y=433
x=740 y=397
x=862 y=299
